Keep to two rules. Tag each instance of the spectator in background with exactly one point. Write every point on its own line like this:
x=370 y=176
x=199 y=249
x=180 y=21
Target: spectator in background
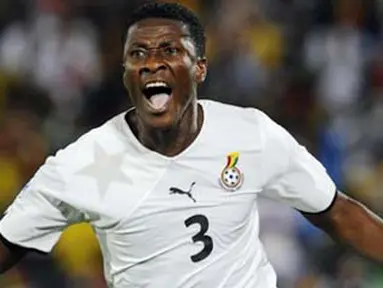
x=59 y=51
x=339 y=54
x=241 y=69
x=22 y=146
x=16 y=44
x=67 y=56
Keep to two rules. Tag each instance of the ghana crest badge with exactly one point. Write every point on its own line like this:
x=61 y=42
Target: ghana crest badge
x=231 y=177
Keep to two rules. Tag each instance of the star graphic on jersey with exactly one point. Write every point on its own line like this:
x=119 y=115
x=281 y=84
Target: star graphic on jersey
x=105 y=169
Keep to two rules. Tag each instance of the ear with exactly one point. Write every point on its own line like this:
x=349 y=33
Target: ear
x=201 y=71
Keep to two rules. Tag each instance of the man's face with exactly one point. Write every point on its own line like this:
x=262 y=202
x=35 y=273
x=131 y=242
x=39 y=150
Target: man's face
x=162 y=71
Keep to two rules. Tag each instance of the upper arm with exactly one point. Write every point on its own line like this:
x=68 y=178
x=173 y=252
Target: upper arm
x=10 y=254
x=344 y=214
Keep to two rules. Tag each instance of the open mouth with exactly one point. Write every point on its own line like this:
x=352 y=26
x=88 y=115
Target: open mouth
x=158 y=94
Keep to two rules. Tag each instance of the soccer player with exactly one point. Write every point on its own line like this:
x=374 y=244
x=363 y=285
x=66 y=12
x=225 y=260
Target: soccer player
x=171 y=186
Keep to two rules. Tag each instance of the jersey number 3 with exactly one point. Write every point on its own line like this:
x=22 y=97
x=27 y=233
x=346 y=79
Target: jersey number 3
x=201 y=236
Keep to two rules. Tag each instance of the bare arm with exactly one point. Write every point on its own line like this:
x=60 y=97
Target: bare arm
x=9 y=255
x=351 y=223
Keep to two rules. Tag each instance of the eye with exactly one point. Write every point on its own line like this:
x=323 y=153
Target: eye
x=137 y=54
x=171 y=51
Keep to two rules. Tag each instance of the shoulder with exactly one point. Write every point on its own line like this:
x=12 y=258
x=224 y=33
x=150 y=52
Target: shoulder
x=243 y=122
x=228 y=113
x=108 y=137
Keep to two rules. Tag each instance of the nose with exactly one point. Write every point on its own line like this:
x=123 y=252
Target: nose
x=152 y=65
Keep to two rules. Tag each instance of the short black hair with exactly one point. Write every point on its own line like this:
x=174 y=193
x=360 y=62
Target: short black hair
x=172 y=11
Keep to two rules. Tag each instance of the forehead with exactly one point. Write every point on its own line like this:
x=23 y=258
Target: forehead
x=155 y=29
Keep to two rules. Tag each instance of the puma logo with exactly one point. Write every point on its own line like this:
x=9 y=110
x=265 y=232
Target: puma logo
x=175 y=190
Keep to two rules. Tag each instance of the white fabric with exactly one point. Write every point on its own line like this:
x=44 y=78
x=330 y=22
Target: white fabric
x=147 y=234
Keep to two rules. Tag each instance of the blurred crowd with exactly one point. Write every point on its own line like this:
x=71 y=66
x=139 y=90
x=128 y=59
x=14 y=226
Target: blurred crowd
x=315 y=66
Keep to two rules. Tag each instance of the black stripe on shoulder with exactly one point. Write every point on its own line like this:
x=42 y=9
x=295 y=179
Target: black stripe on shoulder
x=325 y=210
x=17 y=249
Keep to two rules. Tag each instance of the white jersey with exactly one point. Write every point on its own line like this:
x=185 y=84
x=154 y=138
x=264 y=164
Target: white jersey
x=174 y=222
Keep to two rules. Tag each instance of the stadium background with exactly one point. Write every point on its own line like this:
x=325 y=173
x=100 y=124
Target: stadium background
x=316 y=66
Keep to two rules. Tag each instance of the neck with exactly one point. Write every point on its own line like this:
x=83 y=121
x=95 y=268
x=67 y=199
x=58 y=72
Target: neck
x=174 y=140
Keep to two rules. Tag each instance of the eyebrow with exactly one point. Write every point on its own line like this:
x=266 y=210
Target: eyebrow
x=139 y=44
x=166 y=43
x=146 y=46
x=162 y=44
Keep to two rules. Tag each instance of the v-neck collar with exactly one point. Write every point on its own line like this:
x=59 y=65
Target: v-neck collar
x=140 y=147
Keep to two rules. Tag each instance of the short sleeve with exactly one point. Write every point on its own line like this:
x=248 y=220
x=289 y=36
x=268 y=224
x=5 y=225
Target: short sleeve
x=295 y=177
x=38 y=216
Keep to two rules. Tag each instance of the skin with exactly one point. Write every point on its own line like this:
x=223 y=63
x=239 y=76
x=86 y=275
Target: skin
x=9 y=258
x=354 y=225
x=161 y=49
x=172 y=130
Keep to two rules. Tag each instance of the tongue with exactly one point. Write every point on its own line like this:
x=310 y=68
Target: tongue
x=159 y=100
